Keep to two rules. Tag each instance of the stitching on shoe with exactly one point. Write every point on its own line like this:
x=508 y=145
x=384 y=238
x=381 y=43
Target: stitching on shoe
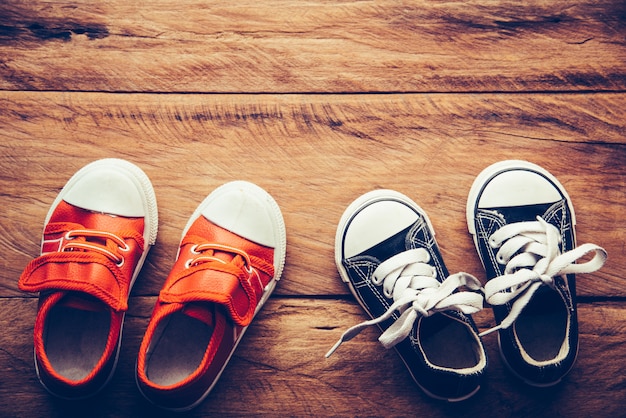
x=426 y=241
x=358 y=265
x=558 y=213
x=484 y=232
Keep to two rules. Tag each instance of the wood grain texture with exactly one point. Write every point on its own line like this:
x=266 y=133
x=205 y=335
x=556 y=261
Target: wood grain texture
x=317 y=102
x=279 y=369
x=315 y=154
x=315 y=46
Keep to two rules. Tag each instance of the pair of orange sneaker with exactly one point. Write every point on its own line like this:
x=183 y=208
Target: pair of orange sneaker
x=96 y=238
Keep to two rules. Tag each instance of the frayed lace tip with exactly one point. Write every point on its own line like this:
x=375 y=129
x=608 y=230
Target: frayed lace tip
x=489 y=331
x=332 y=350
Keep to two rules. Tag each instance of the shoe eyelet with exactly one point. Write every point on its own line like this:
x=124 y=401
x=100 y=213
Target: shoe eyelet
x=189 y=263
x=194 y=249
x=493 y=243
x=124 y=249
x=68 y=236
x=121 y=262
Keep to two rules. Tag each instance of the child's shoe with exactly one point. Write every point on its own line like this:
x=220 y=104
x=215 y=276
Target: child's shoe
x=96 y=237
x=522 y=222
x=386 y=252
x=231 y=255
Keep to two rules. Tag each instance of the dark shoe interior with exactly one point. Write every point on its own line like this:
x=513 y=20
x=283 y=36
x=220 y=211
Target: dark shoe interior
x=448 y=342
x=177 y=349
x=75 y=336
x=542 y=325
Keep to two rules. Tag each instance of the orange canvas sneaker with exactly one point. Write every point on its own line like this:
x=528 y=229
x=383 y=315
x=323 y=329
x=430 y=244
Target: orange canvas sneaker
x=96 y=237
x=230 y=257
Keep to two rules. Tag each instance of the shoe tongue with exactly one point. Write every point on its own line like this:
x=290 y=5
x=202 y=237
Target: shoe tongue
x=83 y=302
x=202 y=312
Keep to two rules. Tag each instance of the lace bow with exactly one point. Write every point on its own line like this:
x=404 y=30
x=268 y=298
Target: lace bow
x=530 y=251
x=411 y=282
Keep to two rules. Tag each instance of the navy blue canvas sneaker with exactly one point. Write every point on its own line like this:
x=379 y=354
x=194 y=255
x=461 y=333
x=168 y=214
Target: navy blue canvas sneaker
x=386 y=252
x=522 y=222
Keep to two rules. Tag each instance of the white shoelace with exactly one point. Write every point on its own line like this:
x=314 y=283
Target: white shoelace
x=530 y=251
x=411 y=282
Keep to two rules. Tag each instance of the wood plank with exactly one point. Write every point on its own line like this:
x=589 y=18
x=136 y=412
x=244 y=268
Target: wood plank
x=280 y=364
x=313 y=46
x=314 y=154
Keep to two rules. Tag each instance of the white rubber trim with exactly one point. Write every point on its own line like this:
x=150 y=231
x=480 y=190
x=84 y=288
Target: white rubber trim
x=493 y=170
x=530 y=382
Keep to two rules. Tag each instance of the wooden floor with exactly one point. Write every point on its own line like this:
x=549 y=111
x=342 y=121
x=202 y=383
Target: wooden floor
x=317 y=102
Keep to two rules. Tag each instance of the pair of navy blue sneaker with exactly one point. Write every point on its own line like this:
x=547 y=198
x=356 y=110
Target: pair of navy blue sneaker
x=522 y=222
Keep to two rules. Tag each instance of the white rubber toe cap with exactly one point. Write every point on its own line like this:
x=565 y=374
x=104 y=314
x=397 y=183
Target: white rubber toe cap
x=518 y=187
x=374 y=217
x=246 y=210
x=107 y=190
